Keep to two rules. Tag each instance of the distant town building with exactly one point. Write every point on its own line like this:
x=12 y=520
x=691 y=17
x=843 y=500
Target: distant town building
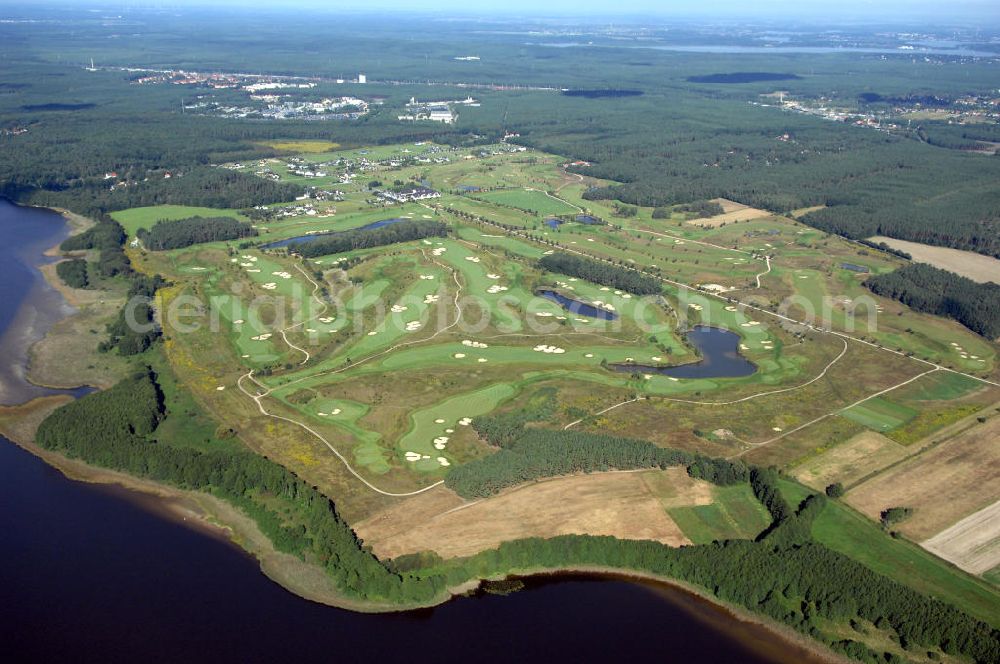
x=408 y=194
x=362 y=78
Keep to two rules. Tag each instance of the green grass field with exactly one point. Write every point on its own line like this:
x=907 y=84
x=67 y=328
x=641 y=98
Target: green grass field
x=735 y=514
x=535 y=201
x=851 y=533
x=880 y=414
x=135 y=218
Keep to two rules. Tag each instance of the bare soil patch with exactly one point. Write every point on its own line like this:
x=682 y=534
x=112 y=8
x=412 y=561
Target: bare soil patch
x=733 y=211
x=622 y=504
x=942 y=485
x=973 y=543
x=965 y=263
x=849 y=462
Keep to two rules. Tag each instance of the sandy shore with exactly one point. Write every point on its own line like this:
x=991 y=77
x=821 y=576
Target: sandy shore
x=218 y=518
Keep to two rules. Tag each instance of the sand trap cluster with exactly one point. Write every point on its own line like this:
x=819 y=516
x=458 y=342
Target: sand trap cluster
x=427 y=277
x=261 y=337
x=282 y=274
x=465 y=421
x=440 y=442
x=544 y=348
x=269 y=285
x=431 y=299
x=752 y=323
x=415 y=456
x=397 y=309
x=437 y=251
x=413 y=326
x=604 y=305
x=696 y=307
x=496 y=288
x=474 y=344
x=472 y=259
x=326 y=319
x=444 y=462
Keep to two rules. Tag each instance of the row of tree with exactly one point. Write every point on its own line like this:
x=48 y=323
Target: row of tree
x=403 y=231
x=927 y=288
x=597 y=272
x=165 y=235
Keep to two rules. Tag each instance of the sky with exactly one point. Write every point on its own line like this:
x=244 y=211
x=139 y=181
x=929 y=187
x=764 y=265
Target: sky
x=848 y=10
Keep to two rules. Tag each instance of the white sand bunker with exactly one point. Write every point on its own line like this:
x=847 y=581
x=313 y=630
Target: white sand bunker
x=496 y=288
x=439 y=421
x=431 y=299
x=326 y=319
x=449 y=431
x=626 y=296
x=246 y=264
x=481 y=360
x=310 y=330
x=775 y=428
x=549 y=252
x=248 y=257
x=656 y=358
x=696 y=307
x=261 y=337
x=589 y=355
x=413 y=326
x=472 y=259
x=197 y=268
x=412 y=456
x=730 y=308
x=269 y=285
x=544 y=314
x=581 y=320
x=282 y=274
x=255 y=270
x=437 y=251
x=373 y=333
x=605 y=288
x=444 y=462
x=647 y=376
x=427 y=277
x=238 y=322
x=440 y=442
x=474 y=344
x=336 y=411
x=752 y=323
x=220 y=388
x=544 y=348
x=465 y=421
x=459 y=356
x=492 y=276
x=234 y=260
x=397 y=309
x=428 y=242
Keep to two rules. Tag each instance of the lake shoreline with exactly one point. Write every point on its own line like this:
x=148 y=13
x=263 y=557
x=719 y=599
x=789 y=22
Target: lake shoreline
x=216 y=518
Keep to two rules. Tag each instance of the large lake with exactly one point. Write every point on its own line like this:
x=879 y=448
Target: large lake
x=97 y=574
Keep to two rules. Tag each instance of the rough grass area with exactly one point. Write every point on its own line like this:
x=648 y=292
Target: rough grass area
x=135 y=218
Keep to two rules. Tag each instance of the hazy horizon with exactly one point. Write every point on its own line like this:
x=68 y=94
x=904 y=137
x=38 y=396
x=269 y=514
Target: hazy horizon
x=848 y=11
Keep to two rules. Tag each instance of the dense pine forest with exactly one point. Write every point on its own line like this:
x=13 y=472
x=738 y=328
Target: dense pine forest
x=929 y=289
x=165 y=235
x=600 y=273
x=784 y=574
x=403 y=231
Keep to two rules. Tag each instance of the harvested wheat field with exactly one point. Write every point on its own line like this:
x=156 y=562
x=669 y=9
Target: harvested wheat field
x=973 y=543
x=733 y=211
x=937 y=484
x=968 y=264
x=621 y=504
x=851 y=461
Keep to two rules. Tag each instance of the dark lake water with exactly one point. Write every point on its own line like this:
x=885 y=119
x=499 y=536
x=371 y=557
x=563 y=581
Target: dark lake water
x=306 y=239
x=577 y=307
x=720 y=357
x=93 y=573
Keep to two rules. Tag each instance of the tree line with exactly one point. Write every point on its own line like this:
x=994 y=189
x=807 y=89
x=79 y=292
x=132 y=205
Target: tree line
x=165 y=235
x=932 y=290
x=403 y=231
x=600 y=273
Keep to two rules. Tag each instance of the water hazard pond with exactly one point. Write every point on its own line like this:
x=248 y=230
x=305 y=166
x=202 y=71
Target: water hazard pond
x=96 y=573
x=720 y=357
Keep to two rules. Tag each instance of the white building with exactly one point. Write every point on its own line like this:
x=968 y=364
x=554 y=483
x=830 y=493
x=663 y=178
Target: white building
x=362 y=78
